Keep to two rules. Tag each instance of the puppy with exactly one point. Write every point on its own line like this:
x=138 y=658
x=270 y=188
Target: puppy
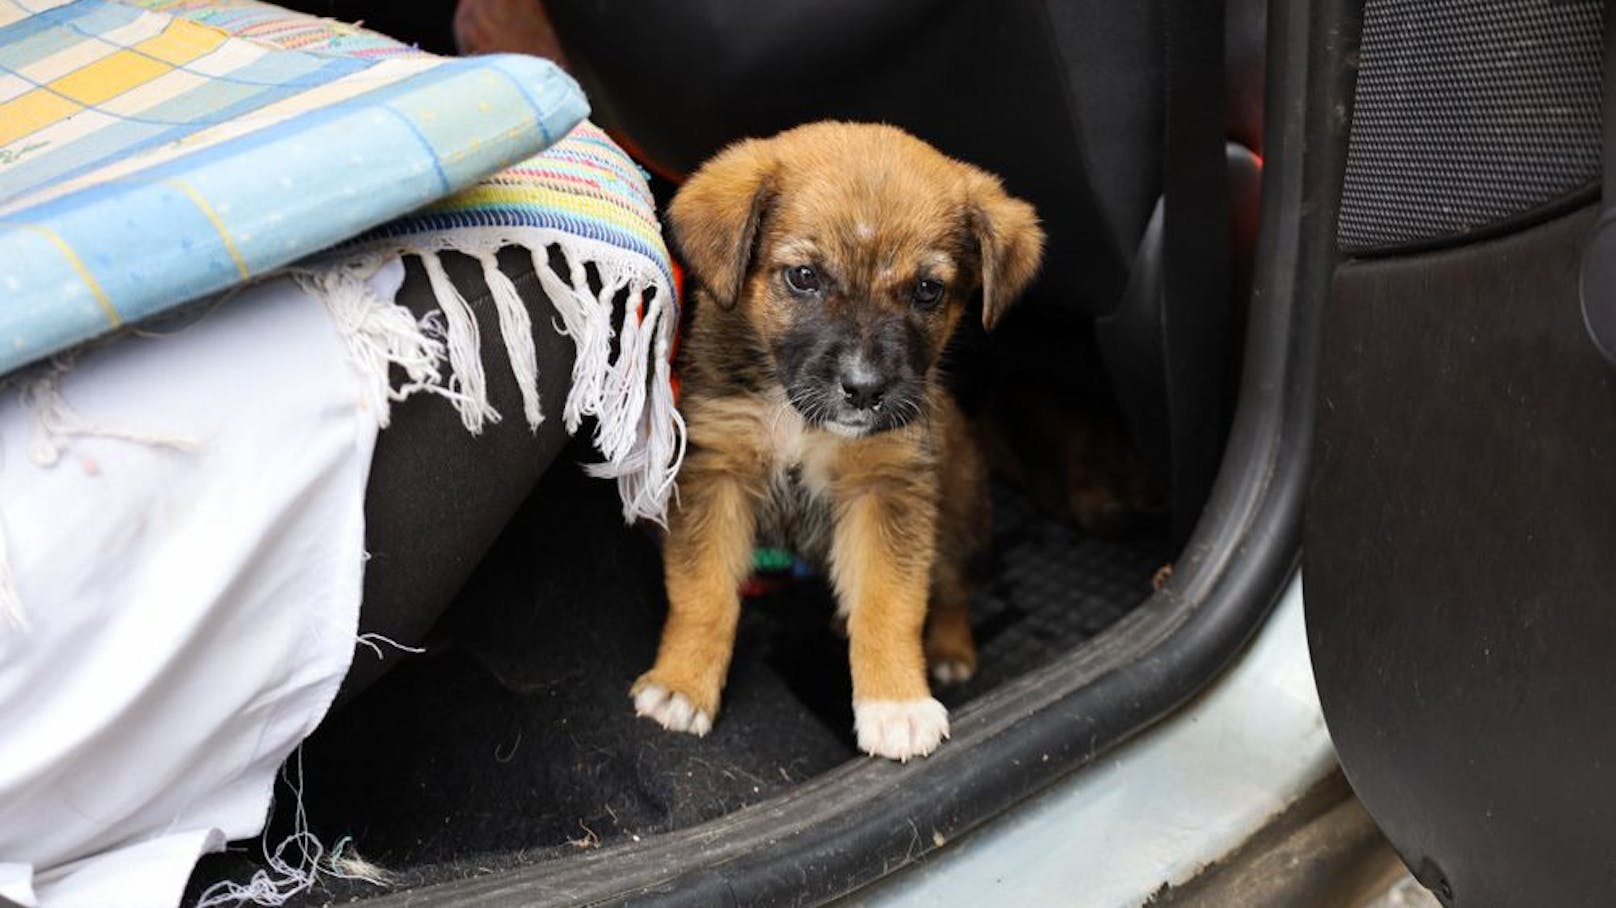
x=828 y=268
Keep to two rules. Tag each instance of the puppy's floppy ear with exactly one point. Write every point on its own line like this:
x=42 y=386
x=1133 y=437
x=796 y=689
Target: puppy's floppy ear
x=715 y=216
x=1010 y=240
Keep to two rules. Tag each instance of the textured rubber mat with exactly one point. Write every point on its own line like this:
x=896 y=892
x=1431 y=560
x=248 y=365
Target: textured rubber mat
x=513 y=740
x=1048 y=588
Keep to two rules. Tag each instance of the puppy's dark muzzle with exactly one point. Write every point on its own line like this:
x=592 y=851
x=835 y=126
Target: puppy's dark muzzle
x=853 y=376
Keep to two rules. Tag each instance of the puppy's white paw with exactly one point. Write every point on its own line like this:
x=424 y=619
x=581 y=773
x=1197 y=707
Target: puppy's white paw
x=952 y=671
x=671 y=710
x=900 y=729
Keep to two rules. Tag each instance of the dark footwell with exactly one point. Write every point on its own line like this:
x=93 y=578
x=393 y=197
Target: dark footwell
x=513 y=740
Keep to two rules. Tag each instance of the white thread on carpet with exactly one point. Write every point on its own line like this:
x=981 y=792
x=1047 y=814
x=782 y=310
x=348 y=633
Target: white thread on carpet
x=346 y=863
x=372 y=641
x=297 y=863
x=286 y=873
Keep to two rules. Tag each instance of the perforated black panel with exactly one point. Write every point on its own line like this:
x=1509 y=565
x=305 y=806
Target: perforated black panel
x=1468 y=113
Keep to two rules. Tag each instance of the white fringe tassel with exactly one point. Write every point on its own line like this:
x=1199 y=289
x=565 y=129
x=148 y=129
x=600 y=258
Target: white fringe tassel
x=517 y=329
x=466 y=378
x=645 y=442
x=379 y=335
x=638 y=432
x=589 y=326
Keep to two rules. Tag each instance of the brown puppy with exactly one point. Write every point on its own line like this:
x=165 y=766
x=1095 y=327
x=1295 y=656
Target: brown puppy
x=830 y=265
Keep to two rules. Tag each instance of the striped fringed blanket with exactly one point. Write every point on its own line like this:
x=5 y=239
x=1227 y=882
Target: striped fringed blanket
x=147 y=159
x=584 y=196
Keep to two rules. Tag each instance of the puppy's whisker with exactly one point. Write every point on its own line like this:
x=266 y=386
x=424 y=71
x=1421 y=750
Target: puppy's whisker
x=779 y=413
x=806 y=404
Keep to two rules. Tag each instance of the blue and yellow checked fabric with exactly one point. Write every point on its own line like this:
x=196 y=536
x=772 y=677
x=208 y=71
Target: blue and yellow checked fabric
x=148 y=159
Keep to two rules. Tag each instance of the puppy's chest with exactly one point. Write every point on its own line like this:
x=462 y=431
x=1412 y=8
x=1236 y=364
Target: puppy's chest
x=797 y=510
x=797 y=516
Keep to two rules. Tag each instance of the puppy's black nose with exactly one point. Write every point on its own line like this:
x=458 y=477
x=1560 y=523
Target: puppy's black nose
x=863 y=393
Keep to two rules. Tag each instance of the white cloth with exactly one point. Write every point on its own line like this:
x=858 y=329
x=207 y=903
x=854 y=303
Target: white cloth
x=189 y=613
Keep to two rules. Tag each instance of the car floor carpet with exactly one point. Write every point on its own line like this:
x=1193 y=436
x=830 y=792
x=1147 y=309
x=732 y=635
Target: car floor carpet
x=512 y=738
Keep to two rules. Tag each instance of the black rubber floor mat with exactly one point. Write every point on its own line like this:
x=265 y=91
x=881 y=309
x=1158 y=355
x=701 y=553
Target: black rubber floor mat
x=513 y=739
x=1048 y=588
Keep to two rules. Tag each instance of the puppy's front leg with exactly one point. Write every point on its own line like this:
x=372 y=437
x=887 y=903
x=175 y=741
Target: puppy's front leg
x=708 y=552
x=881 y=565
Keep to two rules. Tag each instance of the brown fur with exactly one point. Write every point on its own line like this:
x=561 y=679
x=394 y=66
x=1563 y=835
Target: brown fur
x=896 y=515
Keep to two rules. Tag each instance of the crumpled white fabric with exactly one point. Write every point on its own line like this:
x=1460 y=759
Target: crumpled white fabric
x=190 y=614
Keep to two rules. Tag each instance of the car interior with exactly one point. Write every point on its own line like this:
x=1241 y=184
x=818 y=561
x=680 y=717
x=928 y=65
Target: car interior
x=1146 y=410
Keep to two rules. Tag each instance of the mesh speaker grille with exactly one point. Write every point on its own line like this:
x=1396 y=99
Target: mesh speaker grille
x=1468 y=113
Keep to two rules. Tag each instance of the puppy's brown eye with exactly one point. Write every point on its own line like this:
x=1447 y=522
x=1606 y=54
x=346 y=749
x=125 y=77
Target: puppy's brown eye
x=802 y=279
x=928 y=292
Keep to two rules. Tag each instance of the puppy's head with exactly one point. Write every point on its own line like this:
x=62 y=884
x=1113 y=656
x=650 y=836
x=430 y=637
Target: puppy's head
x=851 y=251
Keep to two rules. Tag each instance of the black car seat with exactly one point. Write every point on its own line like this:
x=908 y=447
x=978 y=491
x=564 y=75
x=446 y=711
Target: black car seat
x=1111 y=117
